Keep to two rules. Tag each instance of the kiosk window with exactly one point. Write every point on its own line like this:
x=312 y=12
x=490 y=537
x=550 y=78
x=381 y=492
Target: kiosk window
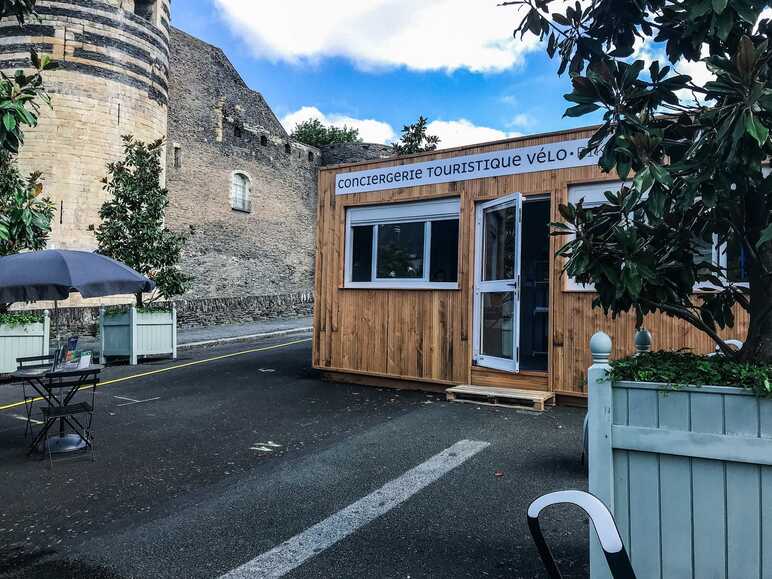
x=411 y=246
x=362 y=262
x=730 y=257
x=401 y=251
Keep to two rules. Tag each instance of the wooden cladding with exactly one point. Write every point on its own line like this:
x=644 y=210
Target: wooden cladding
x=426 y=335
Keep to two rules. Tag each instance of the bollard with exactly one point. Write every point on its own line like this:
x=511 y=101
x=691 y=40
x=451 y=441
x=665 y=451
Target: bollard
x=642 y=341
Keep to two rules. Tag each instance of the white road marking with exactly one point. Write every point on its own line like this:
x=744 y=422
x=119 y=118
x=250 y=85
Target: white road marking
x=24 y=419
x=132 y=401
x=125 y=398
x=294 y=552
x=270 y=444
x=267 y=370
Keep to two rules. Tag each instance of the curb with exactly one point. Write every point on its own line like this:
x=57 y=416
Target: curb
x=247 y=338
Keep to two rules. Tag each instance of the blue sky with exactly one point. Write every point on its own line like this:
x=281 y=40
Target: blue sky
x=378 y=64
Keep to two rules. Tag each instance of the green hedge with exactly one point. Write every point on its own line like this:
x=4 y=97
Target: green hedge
x=14 y=319
x=111 y=311
x=682 y=369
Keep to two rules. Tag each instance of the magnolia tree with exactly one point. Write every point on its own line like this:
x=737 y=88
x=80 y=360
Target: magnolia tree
x=25 y=213
x=132 y=230
x=694 y=154
x=20 y=93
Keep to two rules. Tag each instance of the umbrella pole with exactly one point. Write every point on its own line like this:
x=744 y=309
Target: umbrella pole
x=58 y=328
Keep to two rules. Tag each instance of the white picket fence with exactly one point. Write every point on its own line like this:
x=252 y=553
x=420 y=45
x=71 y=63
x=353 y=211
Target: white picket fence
x=23 y=341
x=132 y=334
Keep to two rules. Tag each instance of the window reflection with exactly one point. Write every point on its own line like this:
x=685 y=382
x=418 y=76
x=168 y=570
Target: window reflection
x=499 y=243
x=400 y=251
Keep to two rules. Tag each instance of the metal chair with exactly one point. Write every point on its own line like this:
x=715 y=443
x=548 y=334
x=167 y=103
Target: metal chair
x=605 y=527
x=69 y=412
x=31 y=363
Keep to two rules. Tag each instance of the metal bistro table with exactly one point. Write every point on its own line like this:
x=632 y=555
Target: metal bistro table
x=58 y=388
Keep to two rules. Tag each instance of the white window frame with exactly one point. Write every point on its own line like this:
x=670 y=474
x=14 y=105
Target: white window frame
x=375 y=215
x=719 y=259
x=247 y=207
x=593 y=194
x=496 y=286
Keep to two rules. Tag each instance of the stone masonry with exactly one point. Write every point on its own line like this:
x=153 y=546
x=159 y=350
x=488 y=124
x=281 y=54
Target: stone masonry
x=125 y=70
x=112 y=81
x=219 y=128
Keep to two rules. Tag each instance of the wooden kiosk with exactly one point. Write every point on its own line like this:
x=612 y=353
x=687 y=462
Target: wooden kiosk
x=437 y=270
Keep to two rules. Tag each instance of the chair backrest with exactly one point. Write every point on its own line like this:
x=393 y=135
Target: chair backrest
x=602 y=521
x=32 y=362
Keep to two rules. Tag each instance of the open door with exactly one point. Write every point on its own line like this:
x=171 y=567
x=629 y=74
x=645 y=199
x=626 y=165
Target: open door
x=497 y=283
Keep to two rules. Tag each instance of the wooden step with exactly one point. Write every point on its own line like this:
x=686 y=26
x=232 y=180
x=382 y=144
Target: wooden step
x=512 y=397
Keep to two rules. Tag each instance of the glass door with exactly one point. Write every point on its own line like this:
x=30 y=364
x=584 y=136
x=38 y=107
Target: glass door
x=497 y=281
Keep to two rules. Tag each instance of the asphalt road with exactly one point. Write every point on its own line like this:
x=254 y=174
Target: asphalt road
x=222 y=461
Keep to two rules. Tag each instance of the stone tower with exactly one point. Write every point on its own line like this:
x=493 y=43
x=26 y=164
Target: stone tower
x=112 y=80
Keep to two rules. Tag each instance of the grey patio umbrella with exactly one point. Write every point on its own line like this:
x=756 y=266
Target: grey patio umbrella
x=55 y=274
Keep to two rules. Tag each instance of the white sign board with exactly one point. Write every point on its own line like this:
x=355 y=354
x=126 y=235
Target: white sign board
x=495 y=164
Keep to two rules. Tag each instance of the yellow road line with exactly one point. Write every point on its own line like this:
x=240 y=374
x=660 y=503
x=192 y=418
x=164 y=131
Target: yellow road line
x=177 y=367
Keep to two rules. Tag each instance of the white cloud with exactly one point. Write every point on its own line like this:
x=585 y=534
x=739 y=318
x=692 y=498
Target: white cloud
x=435 y=35
x=462 y=132
x=370 y=130
x=451 y=133
x=523 y=120
x=647 y=51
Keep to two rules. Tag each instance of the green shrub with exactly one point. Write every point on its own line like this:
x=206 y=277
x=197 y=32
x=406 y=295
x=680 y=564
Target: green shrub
x=112 y=311
x=14 y=319
x=683 y=368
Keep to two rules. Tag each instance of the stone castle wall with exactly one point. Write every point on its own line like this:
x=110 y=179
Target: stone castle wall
x=218 y=127
x=112 y=81
x=338 y=153
x=124 y=70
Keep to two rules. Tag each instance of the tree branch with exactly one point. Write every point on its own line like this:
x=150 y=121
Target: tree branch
x=686 y=315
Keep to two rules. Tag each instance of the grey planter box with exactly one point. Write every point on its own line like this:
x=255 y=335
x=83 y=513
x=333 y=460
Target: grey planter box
x=23 y=341
x=133 y=334
x=687 y=473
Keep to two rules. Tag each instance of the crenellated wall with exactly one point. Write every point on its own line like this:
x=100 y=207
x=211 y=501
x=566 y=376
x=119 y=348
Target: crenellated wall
x=218 y=127
x=125 y=70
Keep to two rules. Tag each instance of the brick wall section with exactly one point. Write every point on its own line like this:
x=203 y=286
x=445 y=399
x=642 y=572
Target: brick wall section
x=219 y=126
x=199 y=312
x=112 y=81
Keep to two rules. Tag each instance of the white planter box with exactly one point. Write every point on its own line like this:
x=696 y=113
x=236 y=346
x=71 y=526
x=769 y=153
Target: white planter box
x=687 y=473
x=132 y=334
x=23 y=341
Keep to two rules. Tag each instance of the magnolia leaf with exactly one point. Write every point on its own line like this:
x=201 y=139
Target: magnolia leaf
x=719 y=6
x=697 y=8
x=745 y=59
x=766 y=237
x=644 y=180
x=724 y=25
x=9 y=122
x=662 y=175
x=756 y=129
x=580 y=110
